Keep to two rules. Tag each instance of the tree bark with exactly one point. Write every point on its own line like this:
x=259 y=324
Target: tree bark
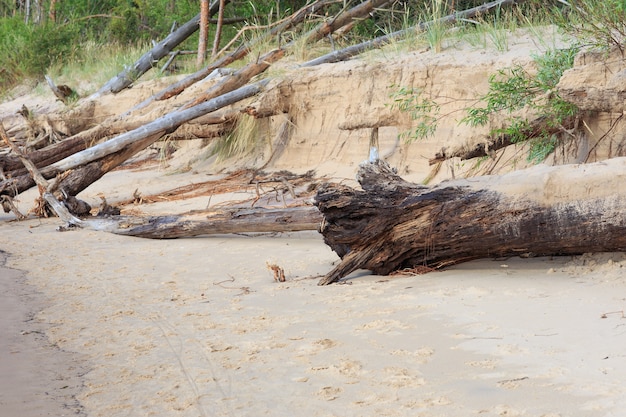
x=239 y=53
x=344 y=18
x=239 y=78
x=542 y=211
x=52 y=13
x=536 y=128
x=218 y=29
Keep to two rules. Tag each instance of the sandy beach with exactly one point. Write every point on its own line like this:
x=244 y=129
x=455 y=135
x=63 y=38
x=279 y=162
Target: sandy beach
x=198 y=327
x=37 y=378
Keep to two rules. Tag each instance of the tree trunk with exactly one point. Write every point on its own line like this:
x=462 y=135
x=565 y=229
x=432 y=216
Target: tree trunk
x=242 y=51
x=218 y=29
x=150 y=58
x=360 y=11
x=52 y=13
x=213 y=222
x=204 y=32
x=541 y=211
x=153 y=131
x=239 y=78
x=536 y=128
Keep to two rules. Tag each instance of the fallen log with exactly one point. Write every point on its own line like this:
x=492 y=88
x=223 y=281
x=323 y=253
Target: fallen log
x=242 y=51
x=539 y=127
x=360 y=11
x=541 y=211
x=145 y=135
x=224 y=221
x=238 y=78
x=344 y=18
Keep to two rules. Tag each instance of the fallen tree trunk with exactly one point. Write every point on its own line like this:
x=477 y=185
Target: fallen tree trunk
x=258 y=220
x=239 y=78
x=153 y=131
x=360 y=11
x=392 y=224
x=239 y=53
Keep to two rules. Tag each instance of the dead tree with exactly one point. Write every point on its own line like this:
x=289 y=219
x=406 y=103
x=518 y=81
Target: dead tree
x=539 y=127
x=223 y=221
x=392 y=224
x=360 y=11
x=134 y=140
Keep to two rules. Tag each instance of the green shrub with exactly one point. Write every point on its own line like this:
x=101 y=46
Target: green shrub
x=515 y=88
x=423 y=111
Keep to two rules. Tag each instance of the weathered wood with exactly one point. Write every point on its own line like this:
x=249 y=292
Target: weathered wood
x=360 y=11
x=239 y=53
x=153 y=131
x=224 y=221
x=62 y=92
x=163 y=124
x=392 y=224
x=45 y=188
x=240 y=77
x=12 y=166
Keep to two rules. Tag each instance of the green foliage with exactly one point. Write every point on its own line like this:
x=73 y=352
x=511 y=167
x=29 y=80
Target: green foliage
x=601 y=24
x=423 y=111
x=27 y=51
x=514 y=88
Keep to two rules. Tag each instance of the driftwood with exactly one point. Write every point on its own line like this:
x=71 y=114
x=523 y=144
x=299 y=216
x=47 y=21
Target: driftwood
x=542 y=211
x=239 y=78
x=536 y=128
x=224 y=221
x=62 y=92
x=344 y=18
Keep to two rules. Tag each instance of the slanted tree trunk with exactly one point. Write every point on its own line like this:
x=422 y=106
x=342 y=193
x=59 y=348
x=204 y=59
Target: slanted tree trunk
x=353 y=50
x=144 y=136
x=218 y=29
x=392 y=224
x=243 y=50
x=536 y=128
x=150 y=58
